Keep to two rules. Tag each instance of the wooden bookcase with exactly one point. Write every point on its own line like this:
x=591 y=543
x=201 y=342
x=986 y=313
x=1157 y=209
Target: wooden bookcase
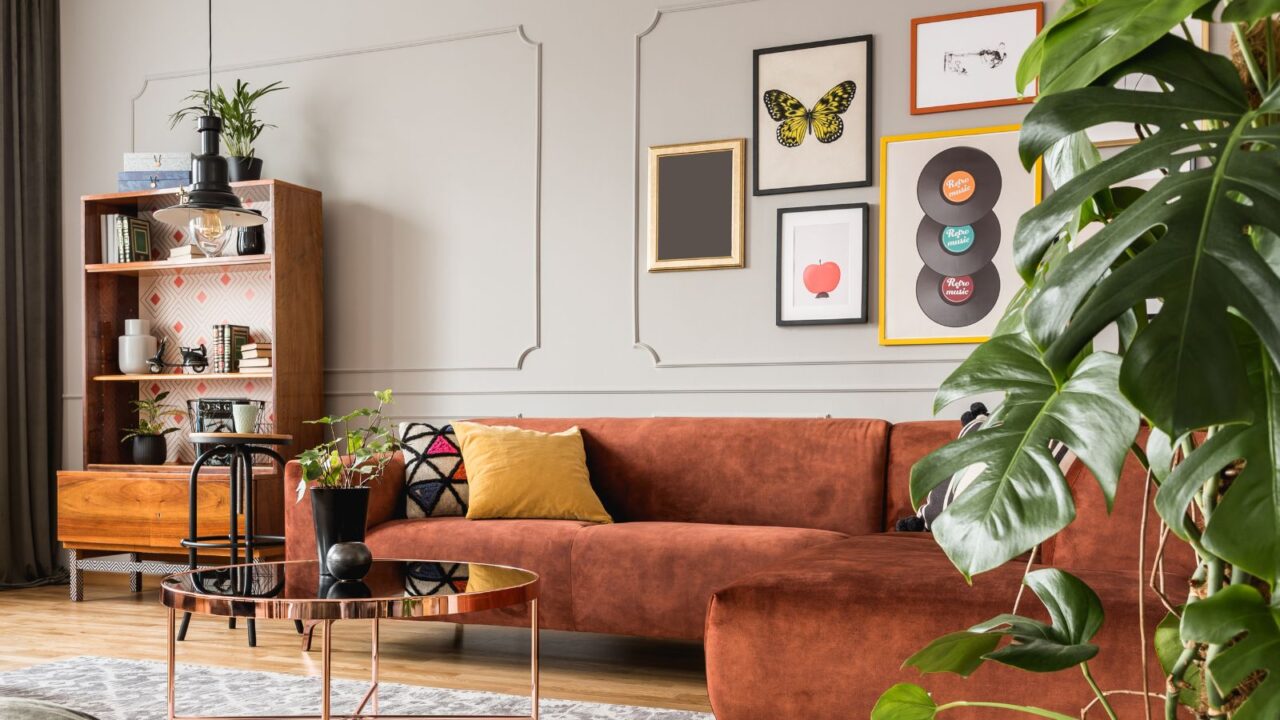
x=112 y=506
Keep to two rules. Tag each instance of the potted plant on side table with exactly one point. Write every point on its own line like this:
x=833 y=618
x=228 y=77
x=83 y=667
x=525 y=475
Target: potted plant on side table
x=339 y=470
x=148 y=444
x=240 y=124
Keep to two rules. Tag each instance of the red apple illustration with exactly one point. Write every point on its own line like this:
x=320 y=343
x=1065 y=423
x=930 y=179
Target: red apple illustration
x=821 y=278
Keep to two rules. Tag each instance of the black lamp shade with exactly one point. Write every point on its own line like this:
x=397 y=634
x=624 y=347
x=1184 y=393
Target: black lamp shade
x=210 y=189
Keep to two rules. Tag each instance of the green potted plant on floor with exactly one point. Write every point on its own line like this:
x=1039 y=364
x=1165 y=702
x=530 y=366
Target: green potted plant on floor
x=339 y=470
x=240 y=124
x=148 y=441
x=1202 y=369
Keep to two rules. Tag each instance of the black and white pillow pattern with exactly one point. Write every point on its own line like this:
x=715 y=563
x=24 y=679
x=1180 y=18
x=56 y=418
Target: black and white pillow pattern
x=434 y=474
x=945 y=493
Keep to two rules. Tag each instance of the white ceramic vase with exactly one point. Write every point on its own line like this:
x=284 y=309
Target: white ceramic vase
x=137 y=345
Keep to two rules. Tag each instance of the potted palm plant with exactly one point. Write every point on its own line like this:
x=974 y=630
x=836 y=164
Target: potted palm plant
x=339 y=470
x=240 y=123
x=148 y=444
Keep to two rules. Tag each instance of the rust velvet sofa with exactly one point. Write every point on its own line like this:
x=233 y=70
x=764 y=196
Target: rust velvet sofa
x=767 y=540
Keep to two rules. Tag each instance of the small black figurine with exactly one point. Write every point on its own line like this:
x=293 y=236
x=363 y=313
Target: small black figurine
x=349 y=560
x=195 y=358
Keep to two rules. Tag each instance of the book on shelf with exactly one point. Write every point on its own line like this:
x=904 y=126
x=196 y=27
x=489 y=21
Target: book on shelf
x=257 y=347
x=246 y=354
x=254 y=371
x=227 y=342
x=255 y=363
x=186 y=252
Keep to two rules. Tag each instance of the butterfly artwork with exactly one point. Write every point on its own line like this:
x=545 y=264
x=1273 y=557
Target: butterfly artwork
x=812 y=106
x=795 y=121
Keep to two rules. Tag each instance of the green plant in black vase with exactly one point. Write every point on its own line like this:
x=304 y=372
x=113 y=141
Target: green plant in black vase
x=1186 y=270
x=240 y=124
x=148 y=439
x=339 y=470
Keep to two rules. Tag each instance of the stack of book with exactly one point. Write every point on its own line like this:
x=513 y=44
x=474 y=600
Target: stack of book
x=255 y=359
x=125 y=238
x=186 y=252
x=227 y=342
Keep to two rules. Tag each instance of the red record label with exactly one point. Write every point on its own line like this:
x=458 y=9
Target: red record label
x=956 y=290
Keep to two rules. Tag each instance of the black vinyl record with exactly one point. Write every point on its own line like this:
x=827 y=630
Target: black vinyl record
x=971 y=246
x=962 y=310
x=976 y=177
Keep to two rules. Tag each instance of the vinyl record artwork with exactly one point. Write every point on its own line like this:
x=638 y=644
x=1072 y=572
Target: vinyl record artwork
x=812 y=108
x=822 y=264
x=970 y=59
x=949 y=203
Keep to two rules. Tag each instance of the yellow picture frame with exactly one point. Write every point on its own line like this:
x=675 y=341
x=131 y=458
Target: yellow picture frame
x=885 y=142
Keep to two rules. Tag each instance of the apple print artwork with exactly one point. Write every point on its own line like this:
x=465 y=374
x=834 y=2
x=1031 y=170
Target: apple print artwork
x=821 y=278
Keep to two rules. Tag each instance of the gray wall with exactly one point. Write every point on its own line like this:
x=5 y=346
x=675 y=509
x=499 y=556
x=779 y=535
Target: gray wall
x=479 y=168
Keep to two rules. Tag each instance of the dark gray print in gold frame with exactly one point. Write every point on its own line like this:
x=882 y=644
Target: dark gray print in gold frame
x=696 y=205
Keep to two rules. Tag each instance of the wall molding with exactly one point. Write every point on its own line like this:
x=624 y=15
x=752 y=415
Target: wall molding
x=637 y=243
x=519 y=32
x=646 y=391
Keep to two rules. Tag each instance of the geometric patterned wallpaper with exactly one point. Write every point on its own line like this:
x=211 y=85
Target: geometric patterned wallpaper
x=183 y=307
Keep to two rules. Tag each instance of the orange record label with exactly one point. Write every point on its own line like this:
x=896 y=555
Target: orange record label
x=959 y=186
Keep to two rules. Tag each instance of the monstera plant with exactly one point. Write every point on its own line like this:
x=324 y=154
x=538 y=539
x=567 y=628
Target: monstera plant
x=1186 y=271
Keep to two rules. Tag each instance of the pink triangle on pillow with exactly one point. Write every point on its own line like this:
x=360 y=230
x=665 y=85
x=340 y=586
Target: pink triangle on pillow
x=442 y=446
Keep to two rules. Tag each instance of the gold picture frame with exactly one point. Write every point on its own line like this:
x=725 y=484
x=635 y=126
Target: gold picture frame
x=703 y=227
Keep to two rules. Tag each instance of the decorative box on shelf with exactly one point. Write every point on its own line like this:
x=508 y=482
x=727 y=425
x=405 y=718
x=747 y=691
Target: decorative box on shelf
x=152 y=179
x=161 y=161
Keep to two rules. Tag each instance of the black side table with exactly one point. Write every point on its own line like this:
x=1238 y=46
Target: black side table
x=239 y=448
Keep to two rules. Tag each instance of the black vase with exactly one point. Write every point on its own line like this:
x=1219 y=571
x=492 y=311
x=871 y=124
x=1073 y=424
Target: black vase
x=244 y=168
x=149 y=449
x=251 y=240
x=339 y=515
x=349 y=560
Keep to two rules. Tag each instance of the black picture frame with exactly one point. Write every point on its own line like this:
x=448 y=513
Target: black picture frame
x=866 y=252
x=869 y=93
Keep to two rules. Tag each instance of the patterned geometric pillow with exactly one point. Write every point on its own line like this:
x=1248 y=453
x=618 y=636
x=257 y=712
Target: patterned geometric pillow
x=433 y=578
x=434 y=475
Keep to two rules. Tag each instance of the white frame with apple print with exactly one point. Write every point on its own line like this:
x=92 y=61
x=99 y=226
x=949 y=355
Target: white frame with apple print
x=811 y=241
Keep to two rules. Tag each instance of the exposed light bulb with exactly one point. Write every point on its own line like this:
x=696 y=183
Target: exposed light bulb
x=208 y=225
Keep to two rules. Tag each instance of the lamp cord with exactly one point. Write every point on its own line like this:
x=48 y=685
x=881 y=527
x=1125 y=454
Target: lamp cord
x=209 y=96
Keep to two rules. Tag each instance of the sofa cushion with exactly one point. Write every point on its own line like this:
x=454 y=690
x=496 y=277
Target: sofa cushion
x=542 y=546
x=821 y=635
x=434 y=475
x=654 y=579
x=908 y=442
x=826 y=474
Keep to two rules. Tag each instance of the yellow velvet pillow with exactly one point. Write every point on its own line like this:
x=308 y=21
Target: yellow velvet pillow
x=517 y=473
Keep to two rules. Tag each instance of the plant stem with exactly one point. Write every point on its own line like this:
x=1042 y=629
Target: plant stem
x=1246 y=51
x=1026 y=709
x=1213 y=581
x=1102 y=698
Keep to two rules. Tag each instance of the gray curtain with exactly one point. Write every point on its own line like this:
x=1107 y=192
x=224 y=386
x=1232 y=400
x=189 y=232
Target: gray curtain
x=30 y=296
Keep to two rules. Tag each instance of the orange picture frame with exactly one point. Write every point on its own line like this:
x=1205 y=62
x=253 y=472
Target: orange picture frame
x=917 y=109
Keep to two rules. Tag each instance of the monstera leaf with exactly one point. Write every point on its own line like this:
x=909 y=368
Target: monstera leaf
x=1073 y=607
x=1244 y=529
x=1187 y=241
x=1021 y=497
x=1239 y=615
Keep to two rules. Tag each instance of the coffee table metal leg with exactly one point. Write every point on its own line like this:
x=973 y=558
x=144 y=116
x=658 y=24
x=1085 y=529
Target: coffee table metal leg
x=172 y=650
x=374 y=666
x=533 y=658
x=326 y=652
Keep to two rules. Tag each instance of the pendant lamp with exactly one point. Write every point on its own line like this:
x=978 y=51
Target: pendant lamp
x=209 y=206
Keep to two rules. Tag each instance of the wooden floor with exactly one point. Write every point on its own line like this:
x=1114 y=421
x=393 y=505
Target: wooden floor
x=40 y=624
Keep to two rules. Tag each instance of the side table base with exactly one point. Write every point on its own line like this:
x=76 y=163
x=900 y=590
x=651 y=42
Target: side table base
x=370 y=698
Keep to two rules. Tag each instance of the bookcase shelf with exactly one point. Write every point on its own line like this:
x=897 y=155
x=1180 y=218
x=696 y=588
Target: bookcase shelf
x=182 y=377
x=194 y=265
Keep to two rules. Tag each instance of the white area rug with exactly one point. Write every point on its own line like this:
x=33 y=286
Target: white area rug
x=112 y=689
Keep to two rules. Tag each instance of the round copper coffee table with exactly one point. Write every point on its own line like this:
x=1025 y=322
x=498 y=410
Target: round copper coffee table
x=393 y=589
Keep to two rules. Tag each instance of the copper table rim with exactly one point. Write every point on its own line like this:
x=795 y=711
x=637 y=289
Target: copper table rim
x=390 y=607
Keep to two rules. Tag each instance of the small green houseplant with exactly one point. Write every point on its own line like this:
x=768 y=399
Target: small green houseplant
x=1202 y=371
x=148 y=445
x=240 y=123
x=339 y=470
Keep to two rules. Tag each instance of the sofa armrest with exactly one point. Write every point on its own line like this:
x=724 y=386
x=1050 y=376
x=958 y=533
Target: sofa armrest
x=386 y=502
